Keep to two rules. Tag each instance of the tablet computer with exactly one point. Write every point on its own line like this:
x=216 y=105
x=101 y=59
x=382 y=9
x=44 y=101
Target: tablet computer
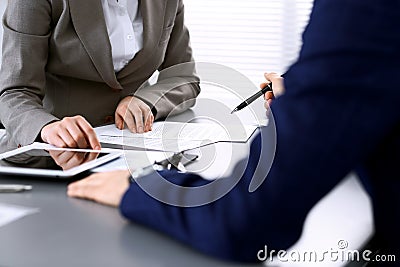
x=48 y=161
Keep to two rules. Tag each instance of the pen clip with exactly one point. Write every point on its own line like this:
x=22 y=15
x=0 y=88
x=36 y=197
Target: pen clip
x=267 y=88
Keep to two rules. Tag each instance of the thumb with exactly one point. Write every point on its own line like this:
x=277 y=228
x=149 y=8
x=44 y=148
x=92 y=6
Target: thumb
x=119 y=121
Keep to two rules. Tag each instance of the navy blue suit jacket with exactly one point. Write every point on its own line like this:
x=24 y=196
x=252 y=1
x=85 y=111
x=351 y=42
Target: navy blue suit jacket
x=340 y=112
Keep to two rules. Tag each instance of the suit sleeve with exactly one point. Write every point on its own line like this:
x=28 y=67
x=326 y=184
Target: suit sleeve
x=178 y=85
x=325 y=127
x=24 y=56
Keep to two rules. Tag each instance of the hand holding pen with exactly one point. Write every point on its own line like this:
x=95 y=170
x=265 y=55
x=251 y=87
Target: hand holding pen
x=266 y=90
x=278 y=88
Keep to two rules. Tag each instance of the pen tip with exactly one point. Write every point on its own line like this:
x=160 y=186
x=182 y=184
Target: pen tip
x=233 y=111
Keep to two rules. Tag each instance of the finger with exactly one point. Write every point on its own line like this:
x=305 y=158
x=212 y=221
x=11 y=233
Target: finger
x=57 y=141
x=146 y=118
x=80 y=189
x=55 y=155
x=86 y=188
x=91 y=156
x=63 y=157
x=119 y=121
x=69 y=159
x=77 y=133
x=149 y=122
x=152 y=122
x=67 y=138
x=90 y=134
x=106 y=188
x=75 y=159
x=269 y=95
x=262 y=86
x=129 y=121
x=277 y=81
x=271 y=76
x=138 y=116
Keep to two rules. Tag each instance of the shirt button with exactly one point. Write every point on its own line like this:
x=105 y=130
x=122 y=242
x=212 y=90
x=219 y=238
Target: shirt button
x=129 y=37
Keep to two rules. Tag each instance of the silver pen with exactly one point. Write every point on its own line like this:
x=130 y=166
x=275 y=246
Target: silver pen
x=14 y=188
x=177 y=161
x=165 y=164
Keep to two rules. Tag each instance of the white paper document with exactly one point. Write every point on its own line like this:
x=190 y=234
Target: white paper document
x=172 y=145
x=10 y=213
x=176 y=136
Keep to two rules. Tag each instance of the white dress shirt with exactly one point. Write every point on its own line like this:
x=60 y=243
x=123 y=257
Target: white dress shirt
x=125 y=29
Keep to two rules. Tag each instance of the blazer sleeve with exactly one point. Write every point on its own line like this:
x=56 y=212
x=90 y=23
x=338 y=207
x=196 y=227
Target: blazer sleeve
x=178 y=85
x=22 y=77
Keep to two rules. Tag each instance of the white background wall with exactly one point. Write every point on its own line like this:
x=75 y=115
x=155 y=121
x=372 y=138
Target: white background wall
x=252 y=36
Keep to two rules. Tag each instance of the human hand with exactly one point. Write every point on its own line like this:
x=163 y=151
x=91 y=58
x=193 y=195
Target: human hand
x=106 y=188
x=135 y=114
x=277 y=87
x=70 y=159
x=73 y=132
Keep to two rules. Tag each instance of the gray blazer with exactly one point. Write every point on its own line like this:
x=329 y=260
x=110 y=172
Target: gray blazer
x=57 y=62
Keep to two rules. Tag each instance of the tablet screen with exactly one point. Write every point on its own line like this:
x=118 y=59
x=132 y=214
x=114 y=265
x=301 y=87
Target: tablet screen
x=50 y=159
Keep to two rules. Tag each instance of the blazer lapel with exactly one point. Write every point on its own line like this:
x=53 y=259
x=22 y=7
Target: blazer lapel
x=88 y=19
x=153 y=13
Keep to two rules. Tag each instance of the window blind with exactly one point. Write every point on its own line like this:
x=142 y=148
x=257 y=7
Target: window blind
x=252 y=36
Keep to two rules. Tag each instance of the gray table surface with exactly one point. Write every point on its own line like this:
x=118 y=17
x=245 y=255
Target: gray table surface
x=74 y=232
